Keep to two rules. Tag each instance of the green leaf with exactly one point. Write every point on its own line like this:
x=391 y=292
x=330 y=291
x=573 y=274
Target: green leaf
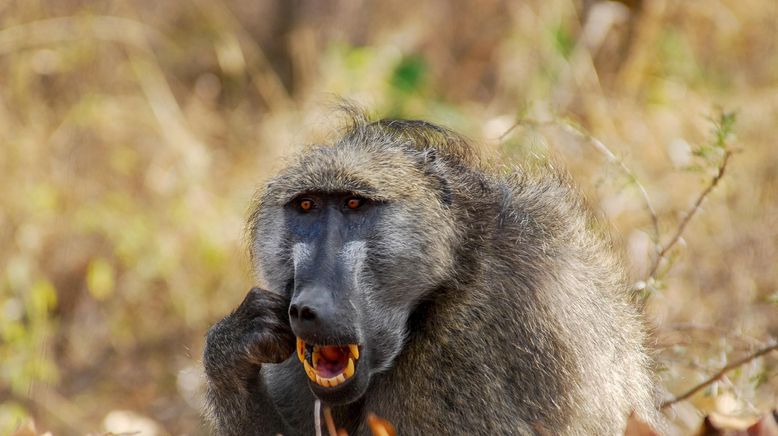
x=564 y=42
x=409 y=74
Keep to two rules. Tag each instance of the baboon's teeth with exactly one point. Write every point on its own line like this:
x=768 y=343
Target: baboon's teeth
x=310 y=356
x=310 y=372
x=315 y=357
x=330 y=382
x=301 y=350
x=349 y=371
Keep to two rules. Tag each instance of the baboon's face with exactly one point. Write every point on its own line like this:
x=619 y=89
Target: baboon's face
x=355 y=263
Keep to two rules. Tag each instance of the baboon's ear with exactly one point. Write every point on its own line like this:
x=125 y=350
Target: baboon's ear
x=434 y=169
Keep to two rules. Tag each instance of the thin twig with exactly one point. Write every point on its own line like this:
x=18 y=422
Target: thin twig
x=329 y=422
x=689 y=215
x=715 y=377
x=675 y=328
x=512 y=128
x=604 y=150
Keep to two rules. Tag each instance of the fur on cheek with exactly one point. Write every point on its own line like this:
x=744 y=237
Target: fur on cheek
x=415 y=253
x=271 y=254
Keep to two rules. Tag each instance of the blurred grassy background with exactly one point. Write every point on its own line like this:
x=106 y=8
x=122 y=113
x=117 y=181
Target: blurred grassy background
x=133 y=135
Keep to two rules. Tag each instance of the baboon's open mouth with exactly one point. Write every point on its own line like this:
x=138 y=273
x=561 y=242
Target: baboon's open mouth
x=328 y=365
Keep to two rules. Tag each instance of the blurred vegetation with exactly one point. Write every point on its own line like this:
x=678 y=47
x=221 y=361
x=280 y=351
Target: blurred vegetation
x=133 y=135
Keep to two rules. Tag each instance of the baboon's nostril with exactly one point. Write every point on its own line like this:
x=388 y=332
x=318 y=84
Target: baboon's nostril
x=307 y=314
x=304 y=314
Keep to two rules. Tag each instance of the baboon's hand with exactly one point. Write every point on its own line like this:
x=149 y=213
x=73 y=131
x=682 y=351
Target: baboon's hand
x=256 y=332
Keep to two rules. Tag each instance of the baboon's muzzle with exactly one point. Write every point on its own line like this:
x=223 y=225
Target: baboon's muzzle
x=322 y=313
x=323 y=321
x=327 y=345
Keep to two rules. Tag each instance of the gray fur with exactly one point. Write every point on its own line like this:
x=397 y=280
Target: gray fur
x=489 y=303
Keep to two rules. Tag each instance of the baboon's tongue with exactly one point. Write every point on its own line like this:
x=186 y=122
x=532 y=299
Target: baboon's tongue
x=332 y=361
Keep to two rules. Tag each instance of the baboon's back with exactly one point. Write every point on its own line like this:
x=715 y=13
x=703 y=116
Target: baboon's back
x=537 y=331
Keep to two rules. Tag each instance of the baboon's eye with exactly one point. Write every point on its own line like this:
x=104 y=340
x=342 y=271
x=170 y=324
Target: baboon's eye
x=354 y=203
x=306 y=204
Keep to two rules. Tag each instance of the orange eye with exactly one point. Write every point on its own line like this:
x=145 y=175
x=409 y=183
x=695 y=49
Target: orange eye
x=306 y=205
x=354 y=203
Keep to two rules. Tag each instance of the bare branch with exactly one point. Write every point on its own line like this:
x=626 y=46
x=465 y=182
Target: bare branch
x=579 y=132
x=661 y=250
x=689 y=215
x=715 y=377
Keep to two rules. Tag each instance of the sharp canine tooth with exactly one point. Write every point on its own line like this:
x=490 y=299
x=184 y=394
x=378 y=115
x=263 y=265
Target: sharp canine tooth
x=309 y=371
x=349 y=371
x=354 y=350
x=300 y=346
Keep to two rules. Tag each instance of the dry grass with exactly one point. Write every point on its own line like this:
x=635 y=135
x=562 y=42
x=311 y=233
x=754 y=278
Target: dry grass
x=133 y=133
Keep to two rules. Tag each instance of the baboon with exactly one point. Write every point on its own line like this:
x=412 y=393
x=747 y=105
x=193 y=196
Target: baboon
x=405 y=277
